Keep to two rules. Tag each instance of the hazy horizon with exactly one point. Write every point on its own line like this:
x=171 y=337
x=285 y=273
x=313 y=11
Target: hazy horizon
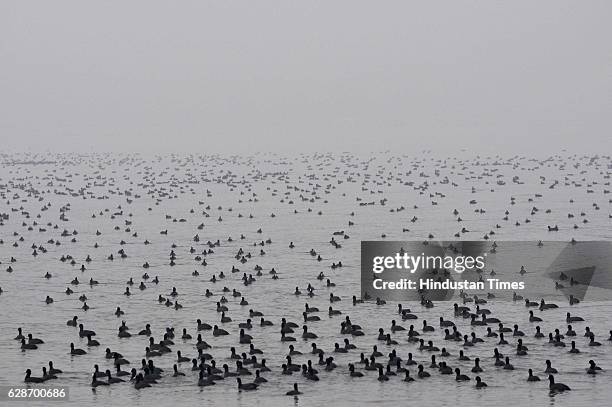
x=240 y=77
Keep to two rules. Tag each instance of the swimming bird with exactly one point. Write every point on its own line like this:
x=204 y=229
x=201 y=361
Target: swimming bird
x=422 y=373
x=549 y=368
x=556 y=387
x=592 y=341
x=111 y=380
x=53 y=370
x=593 y=368
x=76 y=351
x=570 y=318
x=27 y=346
x=460 y=377
x=352 y=371
x=295 y=391
x=95 y=382
x=177 y=373
x=246 y=386
x=83 y=333
x=32 y=379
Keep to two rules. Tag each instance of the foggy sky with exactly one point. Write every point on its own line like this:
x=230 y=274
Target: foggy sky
x=245 y=76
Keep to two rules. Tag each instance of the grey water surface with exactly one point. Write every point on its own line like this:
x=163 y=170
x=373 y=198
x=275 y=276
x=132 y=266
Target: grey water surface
x=164 y=189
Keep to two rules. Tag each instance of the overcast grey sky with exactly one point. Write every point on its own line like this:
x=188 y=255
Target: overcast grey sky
x=243 y=76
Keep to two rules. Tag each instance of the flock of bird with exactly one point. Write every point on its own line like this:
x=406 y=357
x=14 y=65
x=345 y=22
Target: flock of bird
x=51 y=210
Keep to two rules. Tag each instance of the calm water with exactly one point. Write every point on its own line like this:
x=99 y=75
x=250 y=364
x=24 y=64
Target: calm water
x=169 y=187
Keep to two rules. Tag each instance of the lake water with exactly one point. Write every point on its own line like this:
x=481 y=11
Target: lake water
x=164 y=190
